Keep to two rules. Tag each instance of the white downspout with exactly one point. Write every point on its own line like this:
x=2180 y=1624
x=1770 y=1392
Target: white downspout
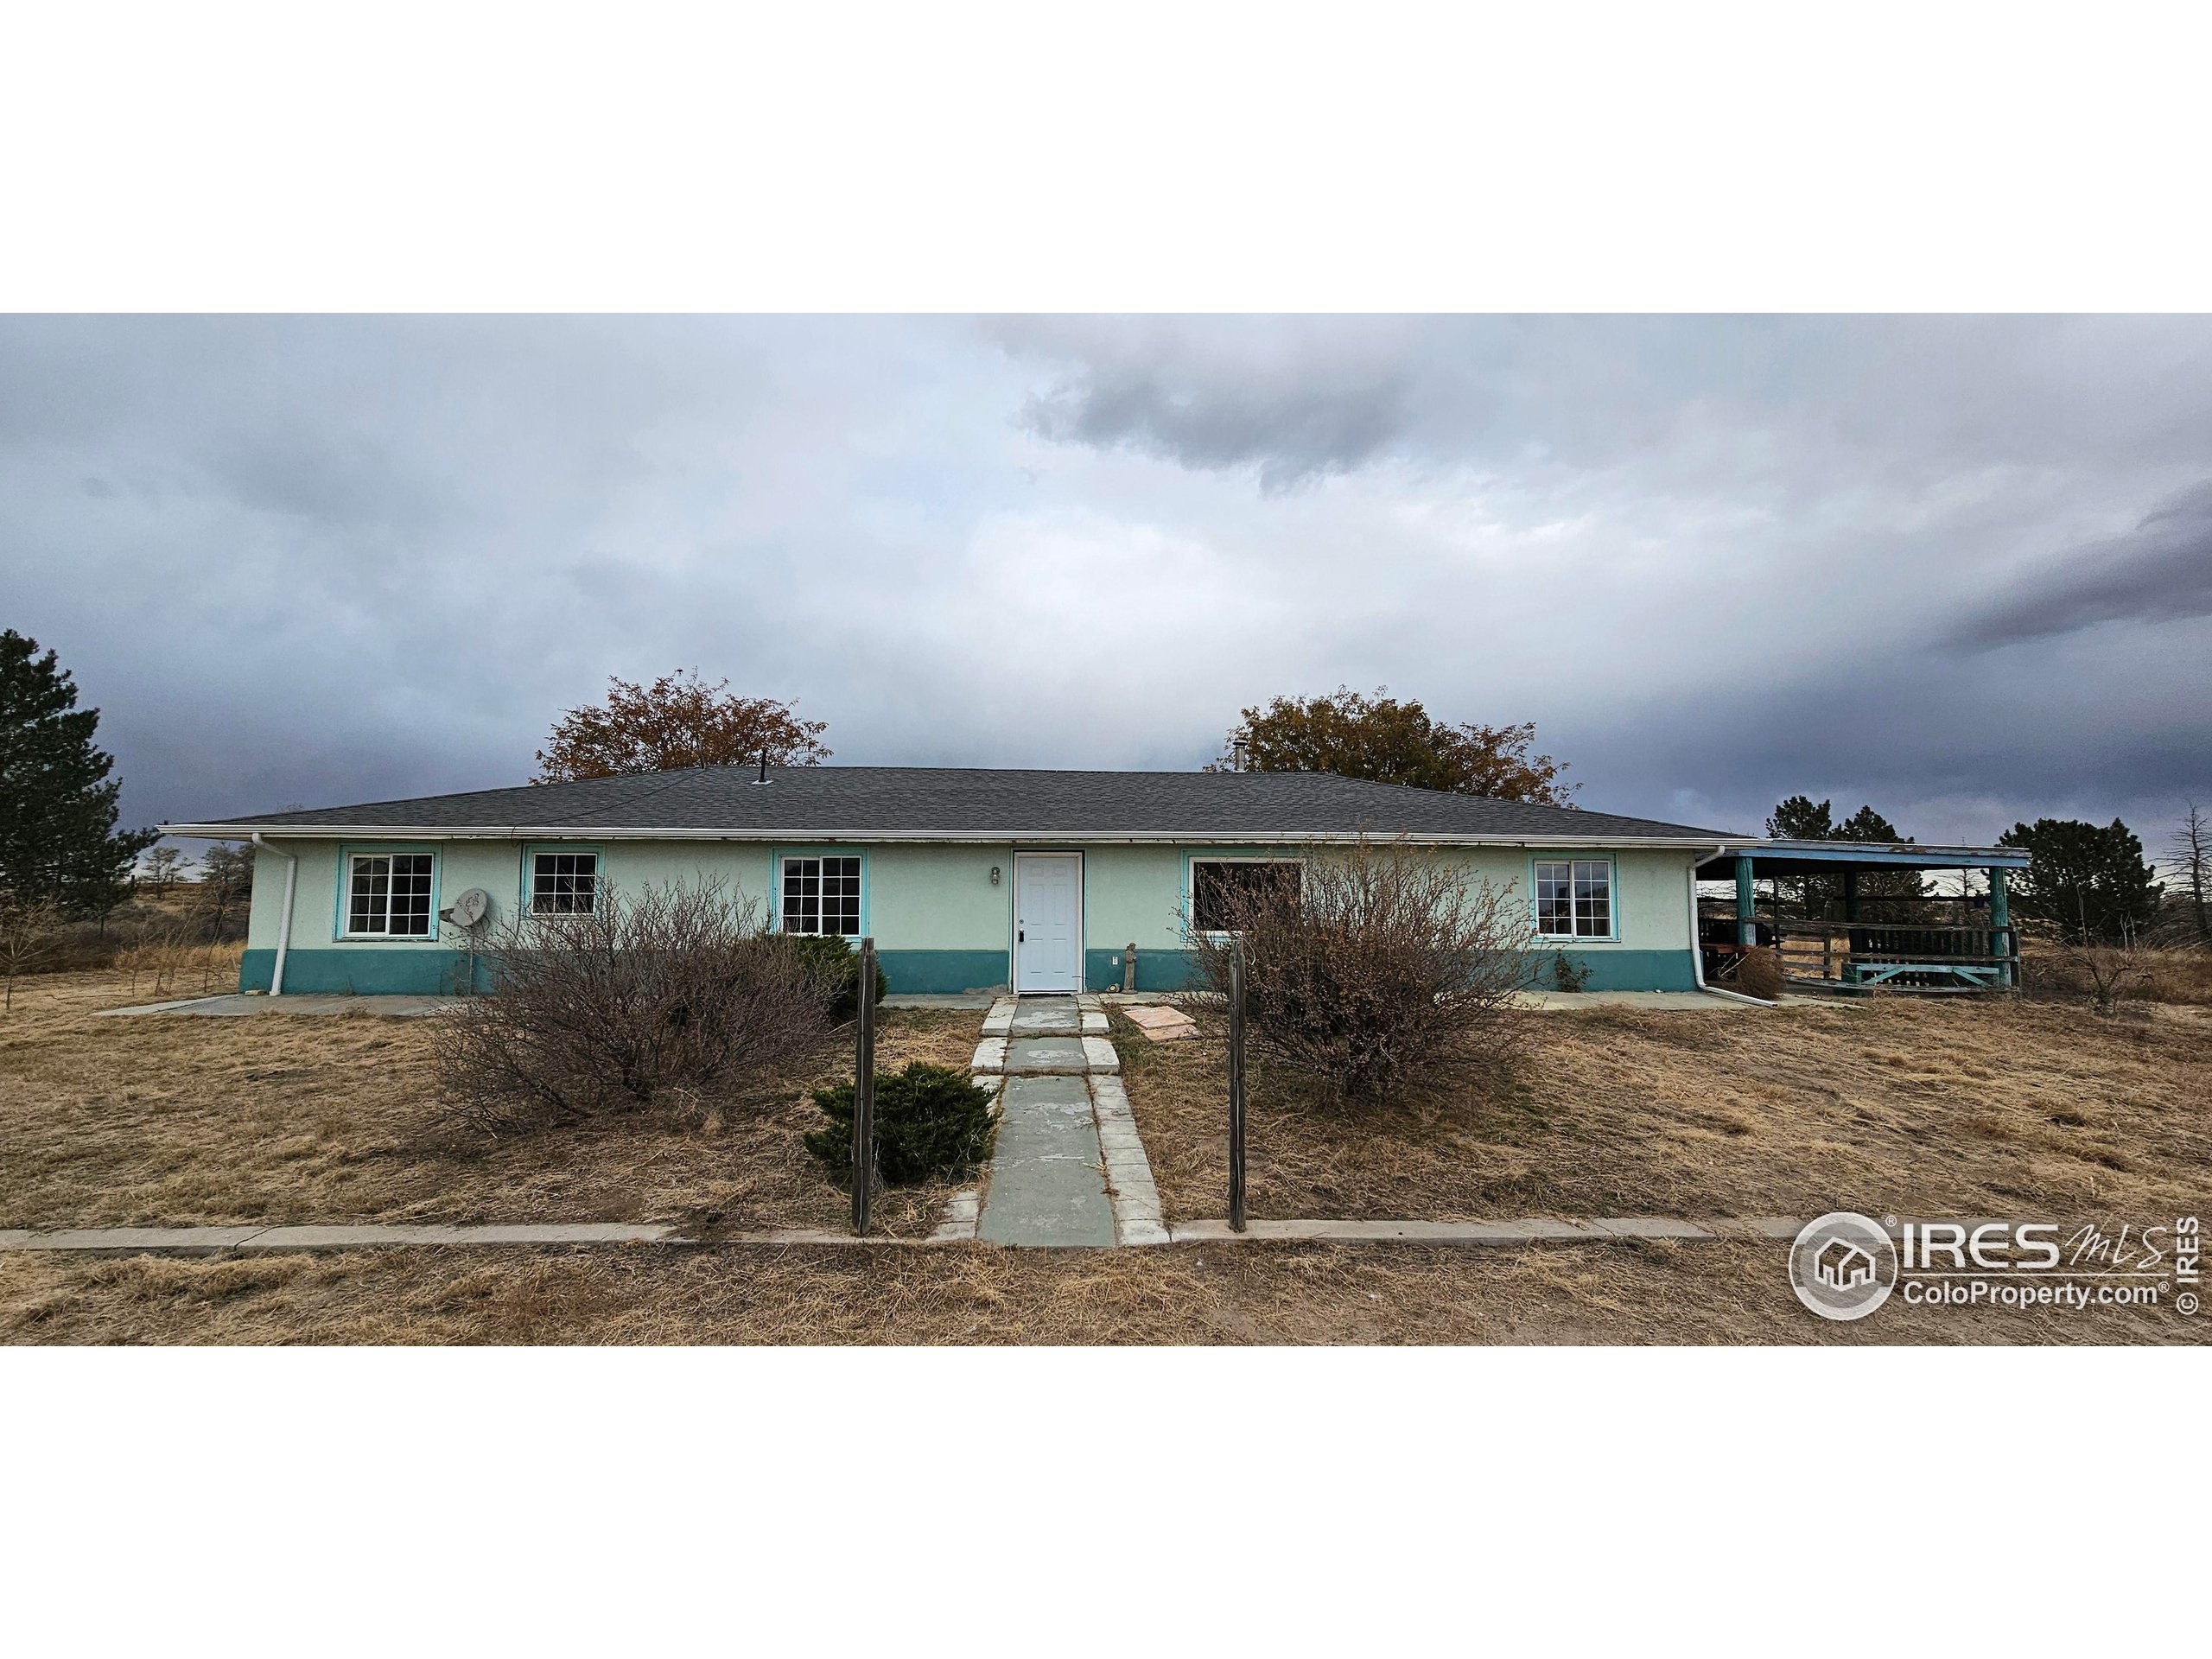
x=290 y=886
x=1697 y=945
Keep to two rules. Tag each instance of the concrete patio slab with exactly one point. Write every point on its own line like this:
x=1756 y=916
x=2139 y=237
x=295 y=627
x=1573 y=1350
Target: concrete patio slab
x=234 y=1004
x=1661 y=1001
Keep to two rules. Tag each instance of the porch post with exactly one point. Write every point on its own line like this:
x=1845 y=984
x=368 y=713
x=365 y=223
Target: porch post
x=1850 y=932
x=2001 y=920
x=1747 y=931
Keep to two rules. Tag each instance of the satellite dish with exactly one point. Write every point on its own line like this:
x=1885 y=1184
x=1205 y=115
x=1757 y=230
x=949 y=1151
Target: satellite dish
x=472 y=907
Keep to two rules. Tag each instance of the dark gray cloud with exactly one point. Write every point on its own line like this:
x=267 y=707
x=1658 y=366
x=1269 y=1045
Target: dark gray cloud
x=2161 y=571
x=1717 y=560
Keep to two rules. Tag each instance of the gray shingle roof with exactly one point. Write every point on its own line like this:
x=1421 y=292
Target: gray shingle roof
x=857 y=803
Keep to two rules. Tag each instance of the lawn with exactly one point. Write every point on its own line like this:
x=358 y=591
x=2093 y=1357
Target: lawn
x=164 y=1120
x=1727 y=1293
x=1891 y=1105
x=2014 y=1110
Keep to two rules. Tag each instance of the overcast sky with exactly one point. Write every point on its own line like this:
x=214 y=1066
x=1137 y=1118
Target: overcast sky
x=1960 y=568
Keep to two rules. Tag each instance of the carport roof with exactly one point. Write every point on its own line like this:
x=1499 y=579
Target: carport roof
x=1811 y=857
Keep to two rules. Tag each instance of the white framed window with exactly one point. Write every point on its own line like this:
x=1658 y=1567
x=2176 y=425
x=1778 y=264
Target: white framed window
x=822 y=895
x=388 y=896
x=563 y=884
x=1574 y=898
x=1218 y=884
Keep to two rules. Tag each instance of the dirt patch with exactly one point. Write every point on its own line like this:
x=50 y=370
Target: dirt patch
x=1721 y=1294
x=1886 y=1106
x=276 y=1118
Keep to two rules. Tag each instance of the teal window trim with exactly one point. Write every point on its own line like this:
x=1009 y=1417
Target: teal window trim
x=1561 y=856
x=777 y=855
x=347 y=852
x=1186 y=903
x=529 y=873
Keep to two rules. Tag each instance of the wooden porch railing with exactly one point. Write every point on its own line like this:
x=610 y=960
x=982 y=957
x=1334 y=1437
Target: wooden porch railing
x=1907 y=956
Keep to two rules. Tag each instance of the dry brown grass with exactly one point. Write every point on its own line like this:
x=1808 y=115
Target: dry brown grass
x=1887 y=1106
x=1719 y=1292
x=168 y=1120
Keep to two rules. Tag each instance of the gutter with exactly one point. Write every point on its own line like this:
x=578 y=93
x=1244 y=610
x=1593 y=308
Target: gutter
x=284 y=923
x=847 y=836
x=1697 y=945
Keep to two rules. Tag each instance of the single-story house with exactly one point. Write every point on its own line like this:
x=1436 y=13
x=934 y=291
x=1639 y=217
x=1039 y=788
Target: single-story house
x=966 y=878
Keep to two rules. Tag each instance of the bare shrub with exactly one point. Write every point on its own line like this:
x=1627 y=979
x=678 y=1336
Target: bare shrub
x=29 y=935
x=1381 y=966
x=2099 y=975
x=673 y=991
x=1758 y=973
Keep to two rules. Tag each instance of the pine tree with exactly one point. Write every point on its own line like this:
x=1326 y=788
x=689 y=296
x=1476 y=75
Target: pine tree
x=59 y=844
x=2093 y=885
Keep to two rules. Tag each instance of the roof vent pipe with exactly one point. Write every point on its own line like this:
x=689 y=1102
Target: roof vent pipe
x=763 y=777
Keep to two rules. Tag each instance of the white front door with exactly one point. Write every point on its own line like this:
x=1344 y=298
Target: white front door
x=1048 y=922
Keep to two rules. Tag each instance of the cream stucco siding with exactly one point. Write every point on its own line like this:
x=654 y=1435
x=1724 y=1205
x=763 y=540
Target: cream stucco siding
x=937 y=918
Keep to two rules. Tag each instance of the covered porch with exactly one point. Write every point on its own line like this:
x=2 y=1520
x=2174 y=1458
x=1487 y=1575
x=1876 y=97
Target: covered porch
x=1858 y=916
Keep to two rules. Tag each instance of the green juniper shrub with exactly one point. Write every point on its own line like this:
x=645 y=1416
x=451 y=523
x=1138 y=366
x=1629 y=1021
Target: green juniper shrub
x=1569 y=974
x=929 y=1121
x=838 y=965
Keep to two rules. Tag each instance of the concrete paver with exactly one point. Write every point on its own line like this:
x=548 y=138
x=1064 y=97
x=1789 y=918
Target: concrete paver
x=1047 y=1057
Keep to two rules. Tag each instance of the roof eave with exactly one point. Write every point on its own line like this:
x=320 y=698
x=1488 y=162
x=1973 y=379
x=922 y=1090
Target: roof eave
x=219 y=831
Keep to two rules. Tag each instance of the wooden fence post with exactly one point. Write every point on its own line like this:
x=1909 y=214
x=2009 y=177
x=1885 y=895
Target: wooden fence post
x=864 y=1093
x=1237 y=1086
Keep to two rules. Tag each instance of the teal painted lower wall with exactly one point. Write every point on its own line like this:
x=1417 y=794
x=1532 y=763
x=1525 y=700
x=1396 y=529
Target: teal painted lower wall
x=379 y=972
x=925 y=973
x=1610 y=971
x=907 y=973
x=1620 y=970
x=1157 y=970
x=398 y=971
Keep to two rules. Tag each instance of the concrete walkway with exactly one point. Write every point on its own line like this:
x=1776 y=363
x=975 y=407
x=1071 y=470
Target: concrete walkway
x=1048 y=1175
x=1068 y=1169
x=1533 y=1230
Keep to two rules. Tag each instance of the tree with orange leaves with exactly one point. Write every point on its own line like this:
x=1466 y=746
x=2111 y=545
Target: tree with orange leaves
x=679 y=720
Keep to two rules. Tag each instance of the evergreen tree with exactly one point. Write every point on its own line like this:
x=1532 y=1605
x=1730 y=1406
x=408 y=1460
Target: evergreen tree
x=2094 y=886
x=1801 y=818
x=59 y=844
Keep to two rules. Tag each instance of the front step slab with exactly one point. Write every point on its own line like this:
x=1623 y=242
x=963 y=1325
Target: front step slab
x=1047 y=1057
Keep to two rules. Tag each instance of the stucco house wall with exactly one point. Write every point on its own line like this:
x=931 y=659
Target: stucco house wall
x=939 y=921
